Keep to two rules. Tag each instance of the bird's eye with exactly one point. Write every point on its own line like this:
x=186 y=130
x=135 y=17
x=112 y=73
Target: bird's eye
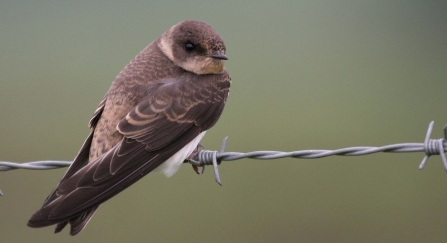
x=189 y=47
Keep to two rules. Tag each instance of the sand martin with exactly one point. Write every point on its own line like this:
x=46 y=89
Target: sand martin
x=153 y=117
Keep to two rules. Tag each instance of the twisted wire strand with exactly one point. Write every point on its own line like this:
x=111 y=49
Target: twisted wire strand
x=210 y=157
x=35 y=165
x=206 y=156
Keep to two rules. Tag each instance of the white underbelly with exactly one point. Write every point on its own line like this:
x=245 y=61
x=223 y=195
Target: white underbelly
x=171 y=165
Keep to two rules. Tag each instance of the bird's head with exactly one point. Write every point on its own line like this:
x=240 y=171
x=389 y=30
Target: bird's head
x=194 y=46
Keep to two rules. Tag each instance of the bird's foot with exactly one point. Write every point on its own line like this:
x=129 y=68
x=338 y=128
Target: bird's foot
x=194 y=156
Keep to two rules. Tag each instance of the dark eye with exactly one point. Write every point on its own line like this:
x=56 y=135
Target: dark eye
x=189 y=47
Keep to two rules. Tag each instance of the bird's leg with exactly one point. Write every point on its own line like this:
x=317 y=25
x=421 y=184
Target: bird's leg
x=194 y=156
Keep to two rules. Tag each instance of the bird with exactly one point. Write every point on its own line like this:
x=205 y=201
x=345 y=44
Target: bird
x=153 y=117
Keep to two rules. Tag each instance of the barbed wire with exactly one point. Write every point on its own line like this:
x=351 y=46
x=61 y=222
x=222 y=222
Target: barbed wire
x=210 y=157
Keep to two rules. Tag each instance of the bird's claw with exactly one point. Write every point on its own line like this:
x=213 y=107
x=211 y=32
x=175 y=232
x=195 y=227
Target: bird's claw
x=194 y=156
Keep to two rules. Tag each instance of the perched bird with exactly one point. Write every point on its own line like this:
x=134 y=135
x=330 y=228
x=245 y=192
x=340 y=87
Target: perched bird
x=153 y=117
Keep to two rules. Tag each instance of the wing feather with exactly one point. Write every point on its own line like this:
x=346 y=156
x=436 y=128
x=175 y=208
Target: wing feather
x=171 y=115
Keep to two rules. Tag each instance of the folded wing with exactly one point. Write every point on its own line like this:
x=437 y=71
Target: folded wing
x=171 y=114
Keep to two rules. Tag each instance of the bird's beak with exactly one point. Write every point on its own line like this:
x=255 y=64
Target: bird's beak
x=219 y=56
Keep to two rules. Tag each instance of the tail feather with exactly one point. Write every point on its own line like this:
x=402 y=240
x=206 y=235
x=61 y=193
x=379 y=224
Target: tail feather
x=43 y=218
x=60 y=226
x=78 y=223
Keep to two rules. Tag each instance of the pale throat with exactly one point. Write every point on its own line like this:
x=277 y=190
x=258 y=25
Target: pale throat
x=204 y=65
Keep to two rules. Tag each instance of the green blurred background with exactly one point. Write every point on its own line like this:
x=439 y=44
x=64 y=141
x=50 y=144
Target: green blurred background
x=306 y=75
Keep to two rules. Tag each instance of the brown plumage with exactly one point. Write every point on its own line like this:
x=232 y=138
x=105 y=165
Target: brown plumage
x=155 y=113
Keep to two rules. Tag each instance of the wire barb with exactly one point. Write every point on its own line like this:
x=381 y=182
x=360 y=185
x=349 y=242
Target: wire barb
x=210 y=157
x=434 y=146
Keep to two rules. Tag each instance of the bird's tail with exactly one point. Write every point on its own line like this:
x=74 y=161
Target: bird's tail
x=77 y=222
